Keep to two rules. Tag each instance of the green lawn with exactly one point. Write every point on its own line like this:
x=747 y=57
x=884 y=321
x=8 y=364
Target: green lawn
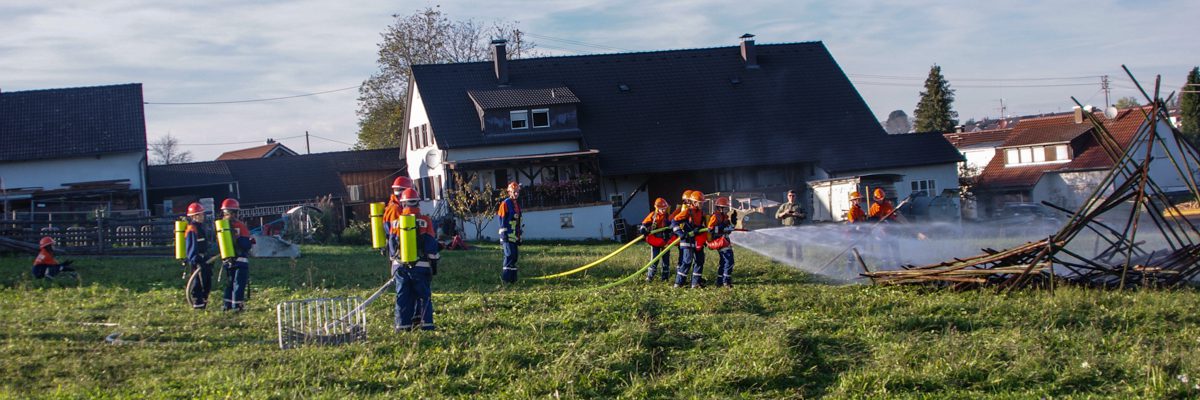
x=779 y=334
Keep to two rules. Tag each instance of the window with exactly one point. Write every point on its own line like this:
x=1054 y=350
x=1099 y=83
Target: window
x=926 y=185
x=541 y=118
x=355 y=192
x=425 y=135
x=518 y=119
x=412 y=138
x=1039 y=154
x=1026 y=155
x=1010 y=156
x=1060 y=153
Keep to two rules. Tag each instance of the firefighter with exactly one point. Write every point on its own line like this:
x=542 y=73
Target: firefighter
x=854 y=218
x=392 y=212
x=414 y=302
x=657 y=219
x=238 y=267
x=719 y=227
x=45 y=266
x=197 y=255
x=697 y=198
x=685 y=225
x=510 y=232
x=791 y=214
x=882 y=211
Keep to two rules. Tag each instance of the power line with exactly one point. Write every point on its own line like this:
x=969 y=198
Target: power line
x=922 y=78
x=904 y=84
x=574 y=42
x=230 y=143
x=250 y=100
x=331 y=140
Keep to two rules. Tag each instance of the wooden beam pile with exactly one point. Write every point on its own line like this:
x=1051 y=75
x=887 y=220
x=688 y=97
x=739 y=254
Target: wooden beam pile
x=1123 y=262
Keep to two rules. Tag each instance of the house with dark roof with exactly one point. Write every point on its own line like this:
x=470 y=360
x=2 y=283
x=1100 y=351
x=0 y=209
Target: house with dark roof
x=1058 y=159
x=79 y=150
x=271 y=149
x=268 y=187
x=591 y=135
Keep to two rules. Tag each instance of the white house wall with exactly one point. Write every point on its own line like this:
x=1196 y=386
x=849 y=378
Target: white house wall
x=588 y=222
x=945 y=176
x=624 y=185
x=52 y=173
x=978 y=158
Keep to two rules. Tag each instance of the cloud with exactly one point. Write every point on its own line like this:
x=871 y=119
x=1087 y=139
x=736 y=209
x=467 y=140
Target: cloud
x=230 y=50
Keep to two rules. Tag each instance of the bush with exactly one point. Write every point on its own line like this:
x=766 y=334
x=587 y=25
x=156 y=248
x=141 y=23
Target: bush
x=357 y=233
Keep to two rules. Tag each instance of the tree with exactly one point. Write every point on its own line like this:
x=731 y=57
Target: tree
x=425 y=37
x=1189 y=107
x=935 y=111
x=1126 y=102
x=166 y=150
x=472 y=204
x=897 y=122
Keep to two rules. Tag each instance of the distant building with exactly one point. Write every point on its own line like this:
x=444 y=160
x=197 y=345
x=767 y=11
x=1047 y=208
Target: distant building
x=74 y=151
x=270 y=186
x=1057 y=159
x=596 y=138
x=271 y=149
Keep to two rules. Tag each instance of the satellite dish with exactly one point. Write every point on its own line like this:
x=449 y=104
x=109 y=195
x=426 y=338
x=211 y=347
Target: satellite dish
x=433 y=158
x=1110 y=112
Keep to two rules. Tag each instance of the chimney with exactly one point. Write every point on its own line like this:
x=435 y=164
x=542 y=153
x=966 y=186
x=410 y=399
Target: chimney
x=500 y=60
x=1078 y=114
x=748 y=53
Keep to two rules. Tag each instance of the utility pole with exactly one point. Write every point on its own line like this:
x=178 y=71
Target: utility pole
x=307 y=147
x=1104 y=86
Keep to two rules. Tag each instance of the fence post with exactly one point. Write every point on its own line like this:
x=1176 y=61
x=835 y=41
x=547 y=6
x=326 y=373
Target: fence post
x=100 y=242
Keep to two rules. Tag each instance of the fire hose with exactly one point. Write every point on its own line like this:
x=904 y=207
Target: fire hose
x=601 y=259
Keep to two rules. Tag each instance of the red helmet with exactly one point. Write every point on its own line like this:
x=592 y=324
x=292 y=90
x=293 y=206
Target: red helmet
x=230 y=204
x=195 y=208
x=722 y=202
x=409 y=194
x=46 y=241
x=402 y=182
x=512 y=186
x=661 y=203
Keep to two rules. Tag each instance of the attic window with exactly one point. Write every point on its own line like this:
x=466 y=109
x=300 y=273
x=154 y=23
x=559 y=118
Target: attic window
x=518 y=119
x=623 y=87
x=541 y=117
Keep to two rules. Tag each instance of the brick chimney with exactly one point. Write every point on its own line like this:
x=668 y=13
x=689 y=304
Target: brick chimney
x=500 y=60
x=748 y=53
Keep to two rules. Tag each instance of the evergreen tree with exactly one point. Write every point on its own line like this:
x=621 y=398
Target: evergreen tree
x=935 y=111
x=1189 y=107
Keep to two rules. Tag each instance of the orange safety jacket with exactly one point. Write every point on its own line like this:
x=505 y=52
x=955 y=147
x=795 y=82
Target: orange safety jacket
x=882 y=209
x=856 y=214
x=45 y=257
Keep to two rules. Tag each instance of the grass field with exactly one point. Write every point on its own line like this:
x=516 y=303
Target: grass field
x=779 y=334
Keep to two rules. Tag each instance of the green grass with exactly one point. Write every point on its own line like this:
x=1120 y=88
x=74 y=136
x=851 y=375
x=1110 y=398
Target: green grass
x=779 y=334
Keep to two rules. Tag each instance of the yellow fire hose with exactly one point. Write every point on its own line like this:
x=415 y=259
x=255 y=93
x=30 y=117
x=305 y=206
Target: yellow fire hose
x=648 y=266
x=602 y=259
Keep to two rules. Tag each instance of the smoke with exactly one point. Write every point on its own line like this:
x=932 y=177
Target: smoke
x=816 y=248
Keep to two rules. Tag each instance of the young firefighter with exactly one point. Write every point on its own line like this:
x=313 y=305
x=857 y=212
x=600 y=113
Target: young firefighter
x=697 y=198
x=684 y=224
x=413 y=279
x=45 y=266
x=719 y=227
x=197 y=255
x=392 y=212
x=657 y=219
x=238 y=266
x=854 y=217
x=510 y=232
x=882 y=210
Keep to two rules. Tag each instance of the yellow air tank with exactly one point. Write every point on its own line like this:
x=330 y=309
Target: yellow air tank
x=408 y=238
x=225 y=238
x=181 y=240
x=378 y=240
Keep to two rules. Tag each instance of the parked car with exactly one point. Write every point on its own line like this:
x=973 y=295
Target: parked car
x=1026 y=216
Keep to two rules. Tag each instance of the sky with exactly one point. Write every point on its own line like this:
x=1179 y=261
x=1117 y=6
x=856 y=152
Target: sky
x=1030 y=55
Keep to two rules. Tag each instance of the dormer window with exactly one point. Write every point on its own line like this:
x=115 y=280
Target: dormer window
x=1032 y=155
x=518 y=119
x=541 y=117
